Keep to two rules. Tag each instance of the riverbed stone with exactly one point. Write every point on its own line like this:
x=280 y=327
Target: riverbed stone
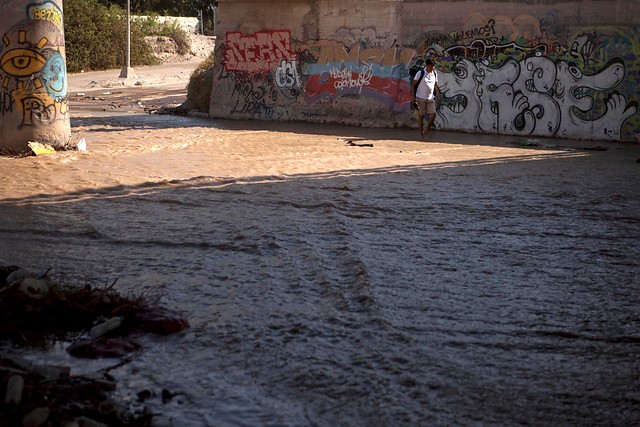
x=15 y=386
x=19 y=275
x=36 y=418
x=159 y=320
x=35 y=288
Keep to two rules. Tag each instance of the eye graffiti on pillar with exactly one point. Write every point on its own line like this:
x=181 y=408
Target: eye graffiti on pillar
x=22 y=62
x=33 y=77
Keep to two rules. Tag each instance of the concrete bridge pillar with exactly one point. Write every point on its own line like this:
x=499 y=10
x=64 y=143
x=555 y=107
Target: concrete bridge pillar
x=33 y=75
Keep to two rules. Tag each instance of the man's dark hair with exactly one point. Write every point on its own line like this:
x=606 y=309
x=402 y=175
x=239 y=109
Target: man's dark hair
x=420 y=61
x=429 y=62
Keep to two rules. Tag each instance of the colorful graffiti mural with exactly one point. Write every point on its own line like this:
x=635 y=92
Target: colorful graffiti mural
x=340 y=70
x=267 y=73
x=33 y=81
x=531 y=88
x=497 y=75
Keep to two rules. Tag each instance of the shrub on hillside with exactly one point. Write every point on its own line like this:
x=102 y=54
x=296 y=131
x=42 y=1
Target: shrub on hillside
x=151 y=27
x=199 y=86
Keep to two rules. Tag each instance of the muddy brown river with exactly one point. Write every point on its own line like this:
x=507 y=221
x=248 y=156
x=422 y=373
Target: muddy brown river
x=471 y=280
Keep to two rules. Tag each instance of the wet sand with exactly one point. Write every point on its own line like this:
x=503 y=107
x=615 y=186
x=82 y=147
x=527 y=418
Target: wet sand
x=467 y=280
x=128 y=147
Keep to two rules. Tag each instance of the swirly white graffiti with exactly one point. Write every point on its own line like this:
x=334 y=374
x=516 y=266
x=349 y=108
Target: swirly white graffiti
x=533 y=96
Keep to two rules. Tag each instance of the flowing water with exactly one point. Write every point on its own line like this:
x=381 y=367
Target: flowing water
x=405 y=284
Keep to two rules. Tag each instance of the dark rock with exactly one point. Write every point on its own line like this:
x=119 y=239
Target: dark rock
x=144 y=395
x=158 y=320
x=167 y=395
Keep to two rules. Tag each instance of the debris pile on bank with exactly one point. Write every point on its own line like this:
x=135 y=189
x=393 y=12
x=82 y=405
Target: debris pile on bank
x=35 y=311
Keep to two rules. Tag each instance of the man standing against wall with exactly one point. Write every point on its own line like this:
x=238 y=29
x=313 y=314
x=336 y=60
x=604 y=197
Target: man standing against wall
x=426 y=92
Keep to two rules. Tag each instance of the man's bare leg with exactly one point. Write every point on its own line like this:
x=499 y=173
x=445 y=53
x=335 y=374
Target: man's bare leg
x=432 y=118
x=421 y=125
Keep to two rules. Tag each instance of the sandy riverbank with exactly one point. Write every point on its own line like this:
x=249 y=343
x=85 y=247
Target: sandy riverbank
x=128 y=147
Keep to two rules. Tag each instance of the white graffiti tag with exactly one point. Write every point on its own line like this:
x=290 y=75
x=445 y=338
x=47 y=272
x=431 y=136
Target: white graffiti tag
x=345 y=79
x=287 y=76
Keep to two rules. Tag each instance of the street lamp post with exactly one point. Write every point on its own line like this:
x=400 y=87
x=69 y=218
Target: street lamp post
x=127 y=71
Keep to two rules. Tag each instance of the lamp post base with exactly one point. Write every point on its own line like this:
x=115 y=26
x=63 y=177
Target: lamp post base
x=127 y=73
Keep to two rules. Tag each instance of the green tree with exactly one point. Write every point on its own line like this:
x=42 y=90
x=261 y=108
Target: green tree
x=165 y=7
x=95 y=37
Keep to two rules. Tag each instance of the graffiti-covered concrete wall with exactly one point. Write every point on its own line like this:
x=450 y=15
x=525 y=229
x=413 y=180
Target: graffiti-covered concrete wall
x=567 y=69
x=33 y=81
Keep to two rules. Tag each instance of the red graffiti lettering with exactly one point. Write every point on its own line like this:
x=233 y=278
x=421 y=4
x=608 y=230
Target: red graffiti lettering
x=259 y=52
